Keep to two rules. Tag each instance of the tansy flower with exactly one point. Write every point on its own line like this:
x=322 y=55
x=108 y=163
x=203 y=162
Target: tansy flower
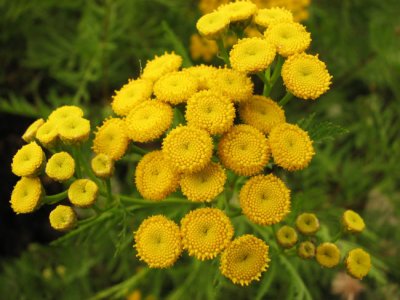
x=30 y=132
x=307 y=223
x=245 y=259
x=206 y=232
x=26 y=195
x=130 y=95
x=213 y=25
x=352 y=221
x=265 y=200
x=148 y=121
x=62 y=218
x=289 y=38
x=60 y=167
x=64 y=112
x=111 y=139
x=270 y=16
x=102 y=165
x=175 y=87
x=161 y=65
x=262 y=113
x=328 y=255
x=305 y=76
x=238 y=11
x=202 y=48
x=244 y=150
x=291 y=147
x=211 y=111
x=306 y=250
x=286 y=236
x=158 y=242
x=189 y=149
x=28 y=161
x=203 y=74
x=358 y=263
x=74 y=130
x=204 y=185
x=47 y=134
x=252 y=55
x=154 y=176
x=83 y=192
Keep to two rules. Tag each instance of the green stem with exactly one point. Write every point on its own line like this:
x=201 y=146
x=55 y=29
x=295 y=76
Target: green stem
x=286 y=99
x=337 y=236
x=52 y=199
x=109 y=191
x=223 y=52
x=275 y=75
x=138 y=149
x=75 y=154
x=142 y=202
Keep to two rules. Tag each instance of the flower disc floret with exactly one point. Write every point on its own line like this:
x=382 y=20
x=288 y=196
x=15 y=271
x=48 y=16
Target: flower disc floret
x=30 y=132
x=74 y=130
x=102 y=165
x=28 y=161
x=47 y=134
x=352 y=221
x=26 y=195
x=64 y=112
x=60 y=167
x=358 y=263
x=306 y=250
x=213 y=24
x=161 y=65
x=286 y=236
x=328 y=255
x=238 y=11
x=307 y=223
x=203 y=74
x=83 y=193
x=270 y=16
x=62 y=218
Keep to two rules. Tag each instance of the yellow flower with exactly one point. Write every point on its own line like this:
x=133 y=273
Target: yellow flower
x=306 y=250
x=189 y=149
x=203 y=74
x=155 y=179
x=26 y=195
x=148 y=121
x=62 y=218
x=245 y=259
x=161 y=65
x=74 y=130
x=270 y=16
x=206 y=232
x=328 y=255
x=305 y=76
x=244 y=150
x=211 y=111
x=205 y=185
x=60 y=167
x=358 y=263
x=352 y=221
x=262 y=113
x=175 y=87
x=202 y=48
x=28 y=161
x=291 y=147
x=135 y=295
x=30 y=132
x=213 y=25
x=102 y=165
x=307 y=223
x=111 y=139
x=265 y=199
x=64 y=112
x=158 y=242
x=47 y=134
x=83 y=193
x=286 y=236
x=238 y=11
x=130 y=95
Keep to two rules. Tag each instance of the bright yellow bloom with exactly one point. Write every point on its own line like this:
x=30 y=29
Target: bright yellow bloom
x=47 y=134
x=26 y=195
x=305 y=76
x=203 y=74
x=158 y=242
x=286 y=236
x=60 y=167
x=238 y=11
x=161 y=65
x=306 y=250
x=252 y=55
x=189 y=149
x=270 y=16
x=291 y=147
x=206 y=232
x=28 y=161
x=202 y=48
x=358 y=263
x=111 y=139
x=213 y=25
x=83 y=193
x=102 y=165
x=328 y=255
x=245 y=259
x=244 y=150
x=148 y=121
x=262 y=113
x=352 y=221
x=64 y=112
x=74 y=130
x=30 y=132
x=307 y=223
x=62 y=218
x=265 y=199
x=154 y=176
x=205 y=185
x=211 y=111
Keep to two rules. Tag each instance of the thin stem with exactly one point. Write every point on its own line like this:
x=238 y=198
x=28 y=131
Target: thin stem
x=223 y=52
x=143 y=202
x=337 y=236
x=77 y=162
x=275 y=75
x=286 y=99
x=138 y=149
x=109 y=191
x=52 y=199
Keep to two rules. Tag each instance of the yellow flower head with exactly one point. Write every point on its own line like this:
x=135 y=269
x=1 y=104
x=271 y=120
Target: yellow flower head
x=189 y=149
x=206 y=232
x=265 y=199
x=47 y=134
x=238 y=11
x=244 y=150
x=352 y=221
x=26 y=195
x=211 y=111
x=328 y=255
x=262 y=113
x=307 y=223
x=62 y=218
x=83 y=193
x=111 y=139
x=158 y=242
x=64 y=112
x=161 y=65
x=60 y=167
x=306 y=250
x=204 y=185
x=252 y=55
x=130 y=95
x=245 y=259
x=270 y=16
x=203 y=74
x=154 y=176
x=286 y=236
x=305 y=76
x=202 y=48
x=102 y=165
x=148 y=121
x=30 y=132
x=291 y=147
x=358 y=263
x=213 y=24
x=74 y=130
x=175 y=87
x=28 y=161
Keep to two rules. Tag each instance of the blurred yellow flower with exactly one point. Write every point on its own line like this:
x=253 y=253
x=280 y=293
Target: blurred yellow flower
x=74 y=130
x=62 y=218
x=328 y=255
x=28 y=161
x=30 y=133
x=307 y=223
x=64 y=112
x=60 y=167
x=102 y=165
x=83 y=193
x=286 y=236
x=352 y=221
x=26 y=195
x=306 y=250
x=213 y=24
x=358 y=263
